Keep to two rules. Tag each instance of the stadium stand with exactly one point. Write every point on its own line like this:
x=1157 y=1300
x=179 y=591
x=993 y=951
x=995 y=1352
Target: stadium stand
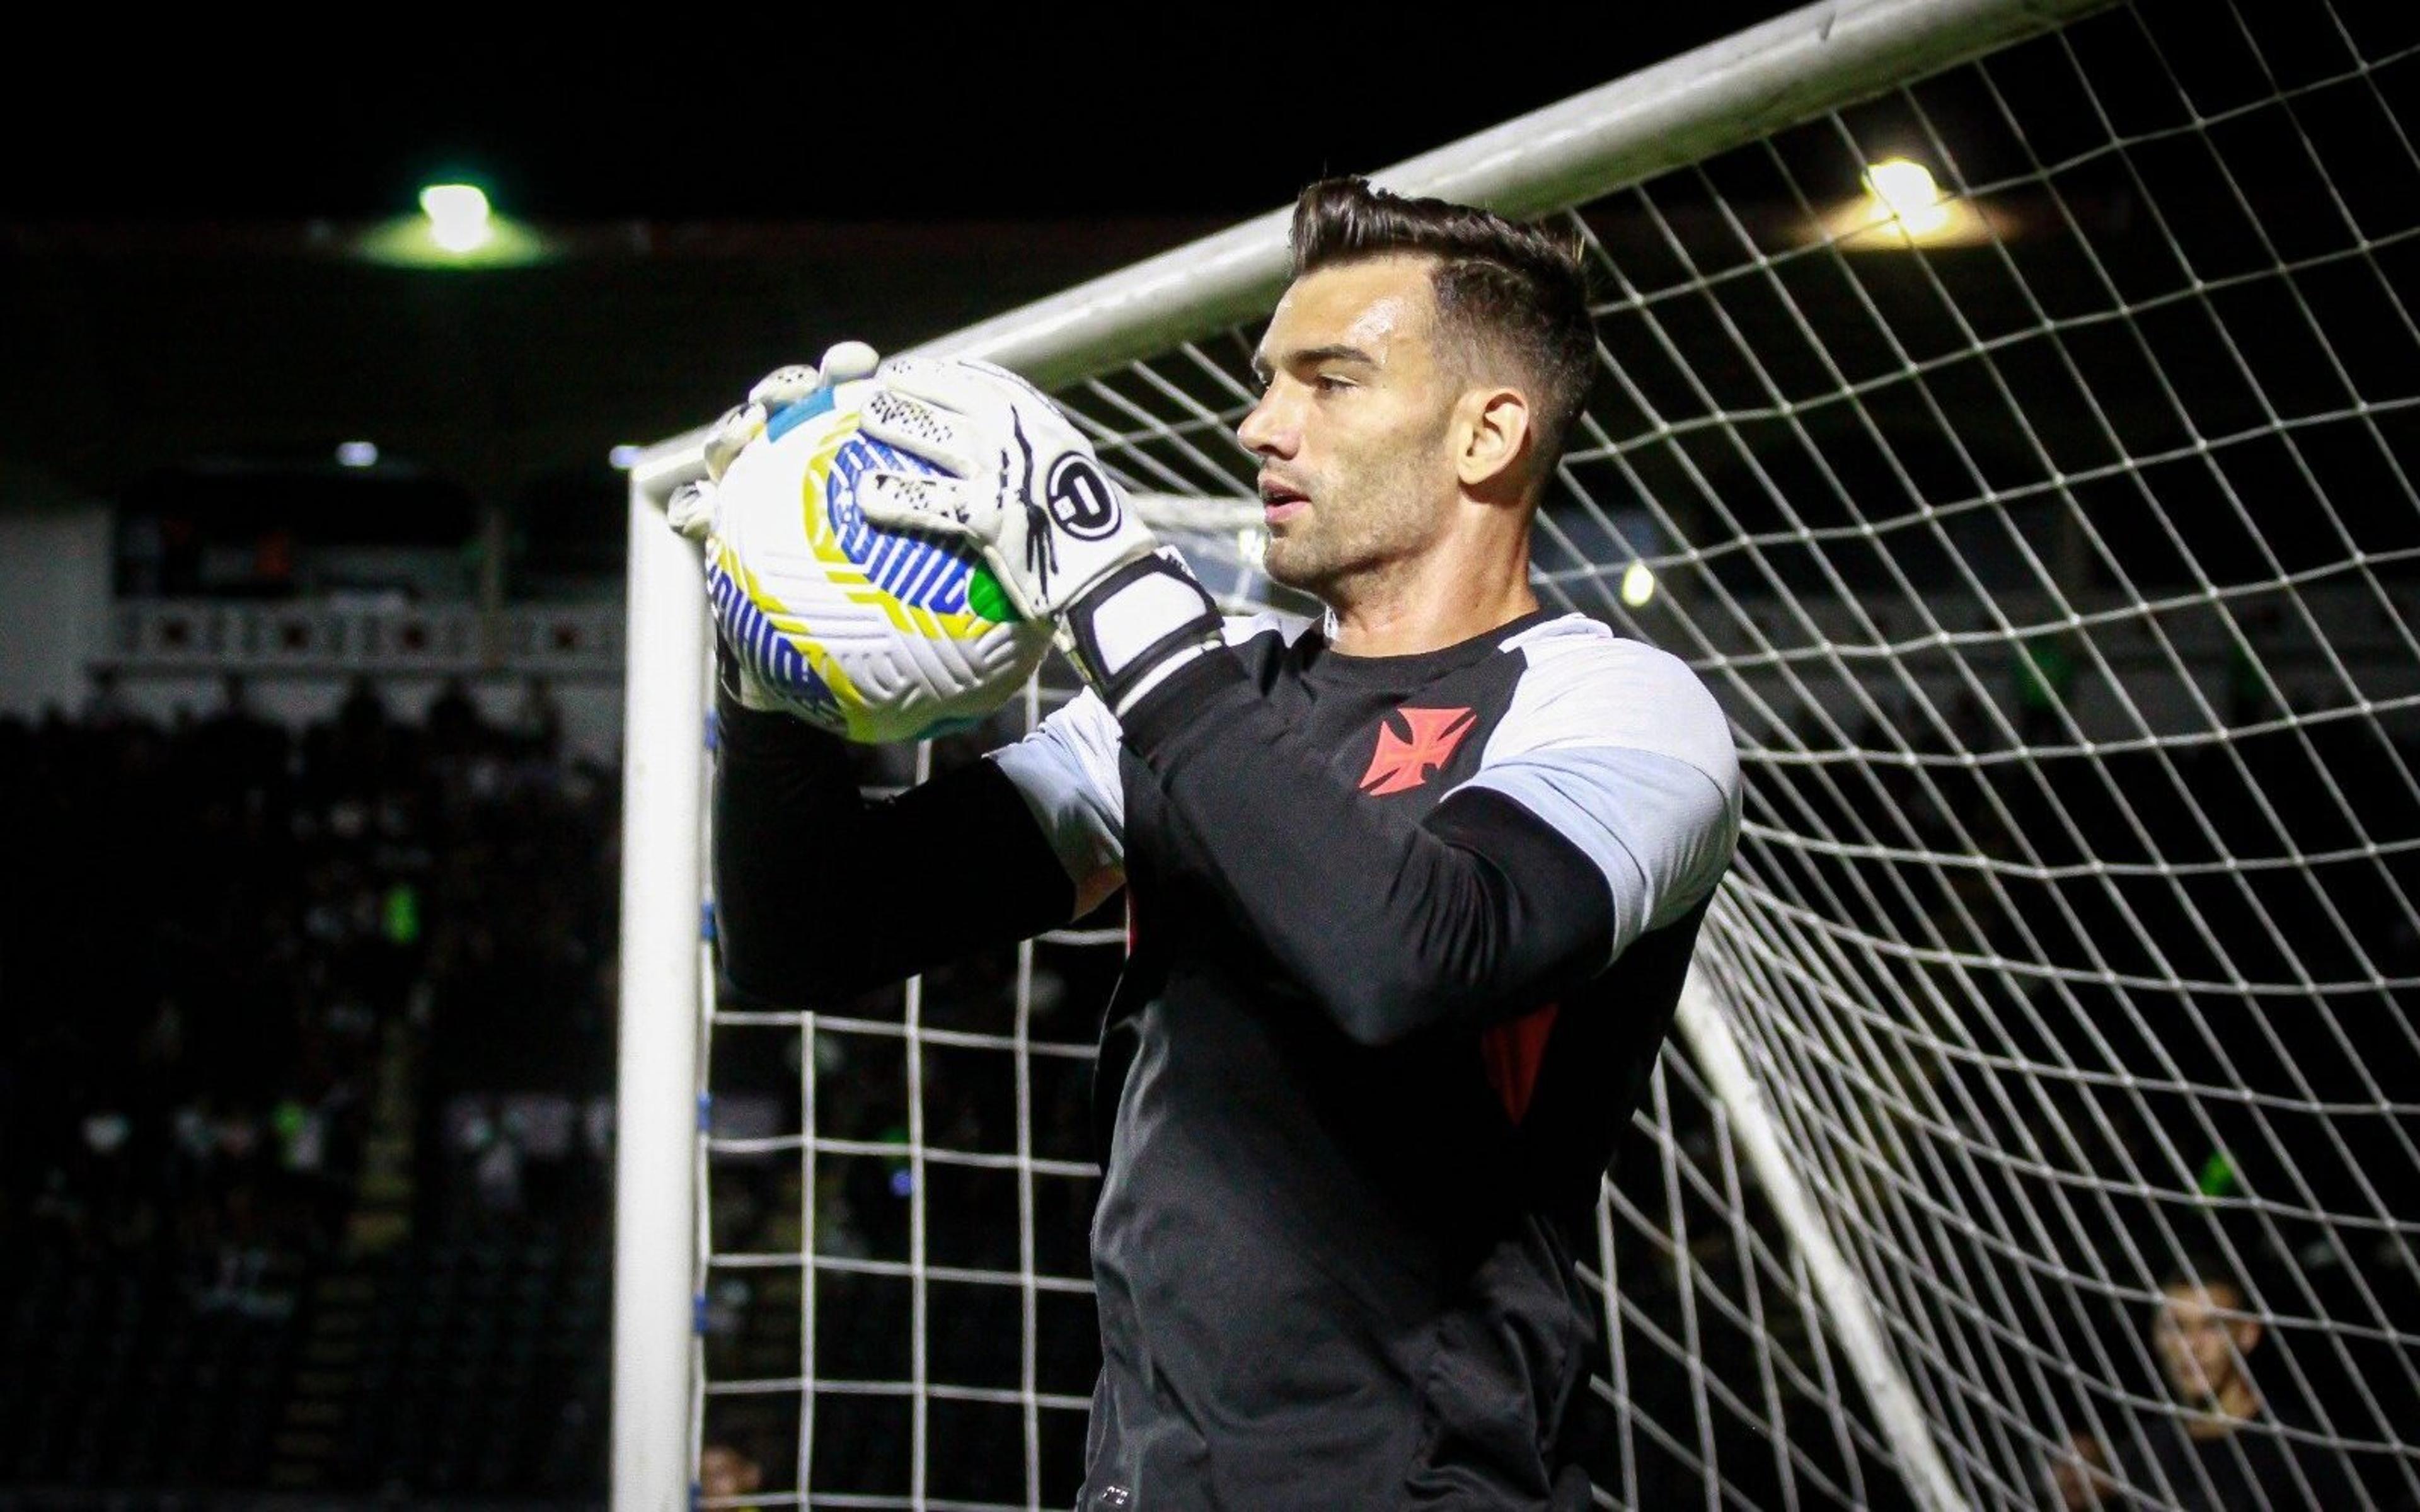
x=246 y=971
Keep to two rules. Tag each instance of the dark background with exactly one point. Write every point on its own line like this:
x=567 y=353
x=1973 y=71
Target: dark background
x=730 y=196
x=187 y=334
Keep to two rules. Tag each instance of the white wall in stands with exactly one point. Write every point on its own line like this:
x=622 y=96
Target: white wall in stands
x=55 y=591
x=54 y=595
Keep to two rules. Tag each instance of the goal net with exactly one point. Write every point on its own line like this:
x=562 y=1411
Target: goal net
x=2017 y=428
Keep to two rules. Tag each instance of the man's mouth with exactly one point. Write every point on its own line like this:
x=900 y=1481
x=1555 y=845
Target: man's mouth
x=1281 y=500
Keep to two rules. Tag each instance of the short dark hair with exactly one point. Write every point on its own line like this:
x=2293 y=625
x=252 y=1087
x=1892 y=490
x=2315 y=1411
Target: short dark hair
x=1521 y=291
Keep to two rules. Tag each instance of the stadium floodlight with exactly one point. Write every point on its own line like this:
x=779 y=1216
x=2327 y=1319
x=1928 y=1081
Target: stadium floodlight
x=458 y=216
x=1905 y=205
x=1908 y=195
x=457 y=227
x=1637 y=585
x=2038 y=977
x=624 y=457
x=357 y=453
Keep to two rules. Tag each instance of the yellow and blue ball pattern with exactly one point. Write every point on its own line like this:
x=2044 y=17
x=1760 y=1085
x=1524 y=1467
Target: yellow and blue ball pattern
x=874 y=634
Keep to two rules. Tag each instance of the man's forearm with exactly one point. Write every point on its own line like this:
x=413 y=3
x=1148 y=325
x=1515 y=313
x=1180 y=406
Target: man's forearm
x=821 y=894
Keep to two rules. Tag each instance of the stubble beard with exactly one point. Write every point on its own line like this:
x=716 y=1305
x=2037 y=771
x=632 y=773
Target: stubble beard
x=1355 y=530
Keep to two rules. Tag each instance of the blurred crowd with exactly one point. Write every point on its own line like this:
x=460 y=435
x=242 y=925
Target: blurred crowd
x=235 y=957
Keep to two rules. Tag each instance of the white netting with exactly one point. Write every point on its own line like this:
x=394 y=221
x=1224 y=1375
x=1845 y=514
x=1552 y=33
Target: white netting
x=2059 y=574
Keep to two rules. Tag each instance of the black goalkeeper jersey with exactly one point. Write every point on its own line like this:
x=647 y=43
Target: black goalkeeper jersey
x=1407 y=935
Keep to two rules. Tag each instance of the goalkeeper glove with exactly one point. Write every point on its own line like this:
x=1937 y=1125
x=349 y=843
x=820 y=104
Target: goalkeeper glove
x=1020 y=484
x=694 y=508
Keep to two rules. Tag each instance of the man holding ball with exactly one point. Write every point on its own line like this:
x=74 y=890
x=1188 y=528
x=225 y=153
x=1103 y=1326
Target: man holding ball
x=1411 y=893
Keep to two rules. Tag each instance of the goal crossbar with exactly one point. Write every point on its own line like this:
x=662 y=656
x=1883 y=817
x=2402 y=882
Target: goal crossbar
x=1692 y=106
x=1817 y=58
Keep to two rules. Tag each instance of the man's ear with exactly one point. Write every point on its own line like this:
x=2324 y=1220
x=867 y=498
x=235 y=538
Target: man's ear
x=1497 y=439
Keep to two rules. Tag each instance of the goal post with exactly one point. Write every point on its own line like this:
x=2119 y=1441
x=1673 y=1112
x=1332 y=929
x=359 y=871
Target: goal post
x=2011 y=409
x=661 y=1017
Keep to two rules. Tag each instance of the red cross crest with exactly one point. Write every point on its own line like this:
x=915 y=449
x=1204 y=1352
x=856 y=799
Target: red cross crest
x=1402 y=762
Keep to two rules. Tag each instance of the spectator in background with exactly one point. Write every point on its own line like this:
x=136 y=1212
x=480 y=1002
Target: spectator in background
x=2227 y=1446
x=2226 y=1450
x=363 y=710
x=349 y=754
x=106 y=706
x=724 y=1475
x=454 y=728
x=537 y=723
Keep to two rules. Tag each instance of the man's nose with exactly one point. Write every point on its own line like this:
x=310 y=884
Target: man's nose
x=1263 y=431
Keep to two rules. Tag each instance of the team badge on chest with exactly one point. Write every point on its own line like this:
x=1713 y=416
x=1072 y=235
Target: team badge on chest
x=1404 y=760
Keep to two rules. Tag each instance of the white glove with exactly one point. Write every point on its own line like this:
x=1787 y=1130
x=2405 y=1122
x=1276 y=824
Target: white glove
x=1021 y=485
x=691 y=509
x=694 y=508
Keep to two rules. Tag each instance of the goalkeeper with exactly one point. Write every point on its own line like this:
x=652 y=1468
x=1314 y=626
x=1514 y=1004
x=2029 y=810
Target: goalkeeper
x=1410 y=894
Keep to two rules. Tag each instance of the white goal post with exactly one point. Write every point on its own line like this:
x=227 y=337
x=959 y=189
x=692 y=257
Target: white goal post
x=2012 y=408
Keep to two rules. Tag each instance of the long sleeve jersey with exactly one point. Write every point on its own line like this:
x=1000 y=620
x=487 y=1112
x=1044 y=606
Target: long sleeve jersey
x=1406 y=934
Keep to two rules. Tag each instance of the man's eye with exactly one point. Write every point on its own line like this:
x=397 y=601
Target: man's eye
x=1330 y=383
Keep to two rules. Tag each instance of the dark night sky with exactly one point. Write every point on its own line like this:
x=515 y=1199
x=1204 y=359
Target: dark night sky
x=1157 y=111
x=799 y=174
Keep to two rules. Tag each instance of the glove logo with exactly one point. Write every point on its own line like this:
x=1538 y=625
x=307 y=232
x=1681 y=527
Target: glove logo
x=1082 y=502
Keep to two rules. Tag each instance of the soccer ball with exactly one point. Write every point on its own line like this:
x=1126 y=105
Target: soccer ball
x=873 y=634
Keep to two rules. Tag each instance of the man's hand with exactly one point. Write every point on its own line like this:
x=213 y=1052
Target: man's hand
x=1022 y=484
x=694 y=509
x=691 y=508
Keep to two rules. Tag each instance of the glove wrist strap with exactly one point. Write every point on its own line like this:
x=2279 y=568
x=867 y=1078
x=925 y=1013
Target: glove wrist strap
x=1137 y=625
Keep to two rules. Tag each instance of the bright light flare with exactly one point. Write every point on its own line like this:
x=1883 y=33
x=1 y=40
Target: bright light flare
x=457 y=230
x=1905 y=205
x=458 y=216
x=624 y=457
x=1637 y=585
x=1907 y=193
x=357 y=453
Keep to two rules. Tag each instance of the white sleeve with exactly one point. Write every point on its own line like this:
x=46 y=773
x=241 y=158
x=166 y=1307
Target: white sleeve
x=1068 y=772
x=1067 y=768
x=1621 y=751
